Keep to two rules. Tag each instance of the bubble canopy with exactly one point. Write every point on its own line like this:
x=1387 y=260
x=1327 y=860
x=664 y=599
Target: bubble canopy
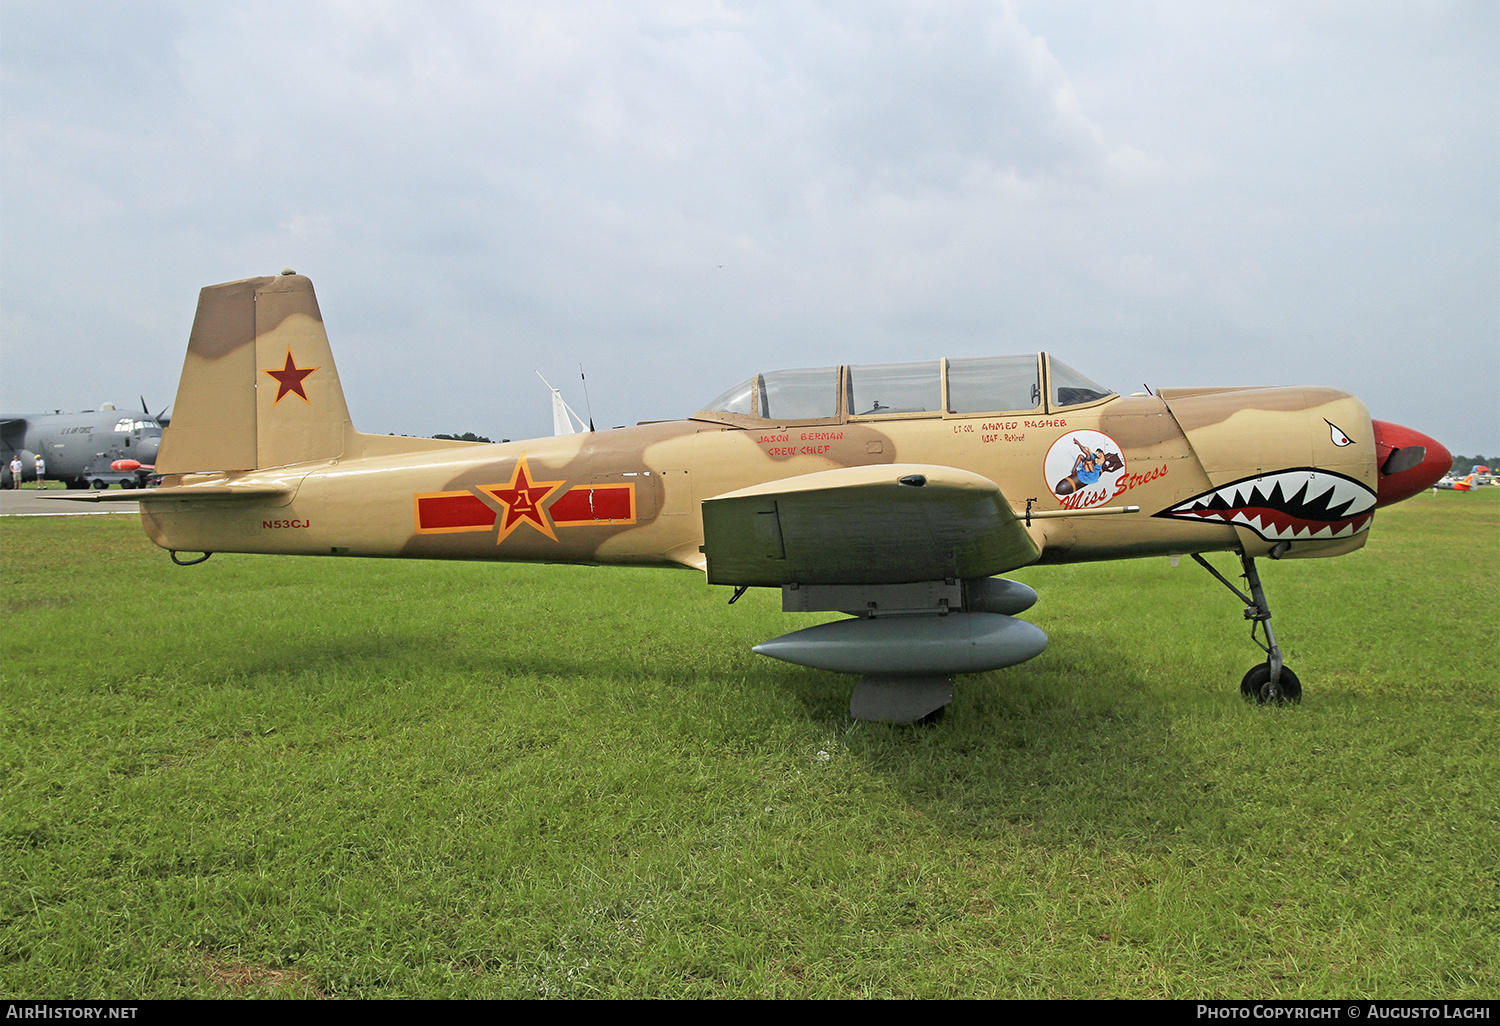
x=930 y=388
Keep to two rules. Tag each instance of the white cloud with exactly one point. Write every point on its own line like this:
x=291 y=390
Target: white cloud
x=675 y=194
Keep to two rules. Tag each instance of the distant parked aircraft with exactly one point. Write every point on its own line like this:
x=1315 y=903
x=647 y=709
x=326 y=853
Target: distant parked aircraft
x=563 y=415
x=95 y=448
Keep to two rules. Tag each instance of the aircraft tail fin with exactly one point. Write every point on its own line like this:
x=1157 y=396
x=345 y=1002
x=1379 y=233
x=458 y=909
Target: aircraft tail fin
x=563 y=415
x=259 y=387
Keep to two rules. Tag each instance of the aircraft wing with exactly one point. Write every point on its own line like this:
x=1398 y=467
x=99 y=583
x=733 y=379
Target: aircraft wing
x=891 y=524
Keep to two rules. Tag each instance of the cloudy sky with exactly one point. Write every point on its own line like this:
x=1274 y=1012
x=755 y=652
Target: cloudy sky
x=675 y=194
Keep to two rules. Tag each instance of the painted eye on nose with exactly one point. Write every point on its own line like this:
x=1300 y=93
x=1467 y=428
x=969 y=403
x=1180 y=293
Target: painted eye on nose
x=1338 y=437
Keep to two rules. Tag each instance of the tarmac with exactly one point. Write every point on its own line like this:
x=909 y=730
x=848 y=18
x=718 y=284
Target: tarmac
x=29 y=502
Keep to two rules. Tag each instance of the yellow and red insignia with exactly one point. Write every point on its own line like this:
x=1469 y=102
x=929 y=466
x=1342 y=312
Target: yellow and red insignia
x=504 y=507
x=522 y=500
x=289 y=379
x=592 y=505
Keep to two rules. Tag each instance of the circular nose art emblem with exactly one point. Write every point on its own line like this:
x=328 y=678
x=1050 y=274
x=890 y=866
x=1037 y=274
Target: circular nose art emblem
x=1082 y=468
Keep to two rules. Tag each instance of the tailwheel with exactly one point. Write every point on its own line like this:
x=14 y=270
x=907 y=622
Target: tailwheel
x=1257 y=687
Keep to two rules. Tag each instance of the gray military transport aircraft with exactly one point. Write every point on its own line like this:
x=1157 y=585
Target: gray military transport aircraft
x=92 y=449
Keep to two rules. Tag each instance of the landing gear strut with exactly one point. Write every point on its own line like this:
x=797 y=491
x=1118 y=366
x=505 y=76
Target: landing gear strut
x=1270 y=683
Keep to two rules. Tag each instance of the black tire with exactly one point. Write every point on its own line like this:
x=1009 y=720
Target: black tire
x=101 y=485
x=1257 y=682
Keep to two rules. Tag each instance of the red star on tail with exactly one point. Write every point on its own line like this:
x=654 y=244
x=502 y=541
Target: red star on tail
x=289 y=379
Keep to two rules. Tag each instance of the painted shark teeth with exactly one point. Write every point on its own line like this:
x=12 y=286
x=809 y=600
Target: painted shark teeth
x=1299 y=504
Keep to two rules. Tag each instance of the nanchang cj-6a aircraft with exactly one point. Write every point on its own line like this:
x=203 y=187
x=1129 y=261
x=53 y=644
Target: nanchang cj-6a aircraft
x=894 y=493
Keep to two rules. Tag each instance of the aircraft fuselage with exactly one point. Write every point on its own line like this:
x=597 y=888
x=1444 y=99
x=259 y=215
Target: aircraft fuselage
x=633 y=495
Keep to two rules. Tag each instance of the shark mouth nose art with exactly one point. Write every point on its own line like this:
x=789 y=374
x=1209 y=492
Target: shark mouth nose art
x=1288 y=505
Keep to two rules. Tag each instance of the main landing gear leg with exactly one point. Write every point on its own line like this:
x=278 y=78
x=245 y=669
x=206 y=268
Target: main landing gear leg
x=1272 y=682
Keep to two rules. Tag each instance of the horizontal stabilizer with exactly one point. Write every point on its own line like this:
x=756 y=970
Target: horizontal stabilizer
x=887 y=524
x=184 y=494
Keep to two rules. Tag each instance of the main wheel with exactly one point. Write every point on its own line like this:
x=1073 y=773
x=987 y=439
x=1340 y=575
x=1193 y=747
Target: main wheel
x=1256 y=686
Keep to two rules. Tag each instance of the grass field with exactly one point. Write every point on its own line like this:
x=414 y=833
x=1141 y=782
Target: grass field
x=271 y=776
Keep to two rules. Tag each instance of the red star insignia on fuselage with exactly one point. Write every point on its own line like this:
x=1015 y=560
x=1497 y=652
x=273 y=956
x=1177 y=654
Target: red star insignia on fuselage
x=289 y=379
x=522 y=500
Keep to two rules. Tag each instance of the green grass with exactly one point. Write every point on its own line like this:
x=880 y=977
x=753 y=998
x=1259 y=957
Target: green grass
x=271 y=776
